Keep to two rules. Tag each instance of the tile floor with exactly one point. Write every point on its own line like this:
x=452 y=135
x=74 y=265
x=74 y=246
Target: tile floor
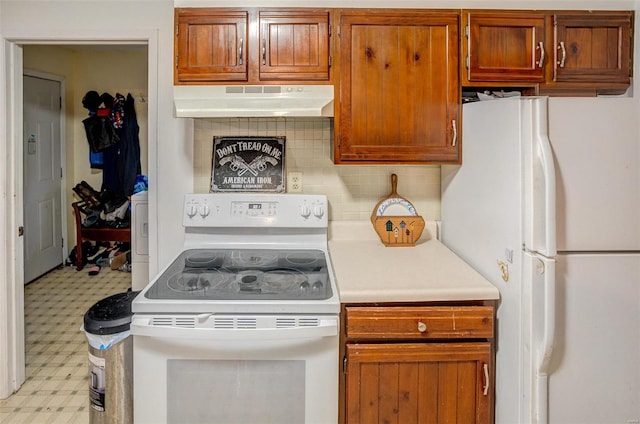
x=56 y=386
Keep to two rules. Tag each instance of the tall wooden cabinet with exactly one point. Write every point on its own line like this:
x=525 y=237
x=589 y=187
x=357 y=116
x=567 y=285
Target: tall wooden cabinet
x=409 y=364
x=217 y=45
x=399 y=87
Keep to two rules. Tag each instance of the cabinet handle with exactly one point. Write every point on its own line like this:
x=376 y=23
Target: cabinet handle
x=541 y=61
x=264 y=51
x=454 y=127
x=564 y=54
x=241 y=52
x=485 y=388
x=422 y=327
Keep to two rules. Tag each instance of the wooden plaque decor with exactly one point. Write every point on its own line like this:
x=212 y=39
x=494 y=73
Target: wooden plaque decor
x=248 y=164
x=397 y=230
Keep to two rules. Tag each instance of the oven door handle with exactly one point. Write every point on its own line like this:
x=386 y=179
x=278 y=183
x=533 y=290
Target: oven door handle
x=144 y=327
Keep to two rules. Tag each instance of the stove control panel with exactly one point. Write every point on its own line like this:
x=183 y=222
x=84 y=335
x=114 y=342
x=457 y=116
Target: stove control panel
x=255 y=210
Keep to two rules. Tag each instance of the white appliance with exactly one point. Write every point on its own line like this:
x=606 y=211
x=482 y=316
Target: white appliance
x=546 y=205
x=217 y=101
x=139 y=240
x=242 y=326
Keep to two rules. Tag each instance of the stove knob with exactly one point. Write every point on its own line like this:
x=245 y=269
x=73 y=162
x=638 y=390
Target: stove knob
x=204 y=211
x=192 y=210
x=305 y=211
x=318 y=211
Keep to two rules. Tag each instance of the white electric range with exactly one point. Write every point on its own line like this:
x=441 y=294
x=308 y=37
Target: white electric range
x=242 y=326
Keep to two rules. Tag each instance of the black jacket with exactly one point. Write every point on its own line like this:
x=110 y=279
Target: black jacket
x=122 y=161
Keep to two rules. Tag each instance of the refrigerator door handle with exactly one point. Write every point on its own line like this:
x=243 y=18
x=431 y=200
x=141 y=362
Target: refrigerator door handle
x=545 y=156
x=548 y=333
x=546 y=268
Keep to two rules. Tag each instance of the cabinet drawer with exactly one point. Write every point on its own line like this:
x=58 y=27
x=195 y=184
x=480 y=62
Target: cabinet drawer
x=422 y=322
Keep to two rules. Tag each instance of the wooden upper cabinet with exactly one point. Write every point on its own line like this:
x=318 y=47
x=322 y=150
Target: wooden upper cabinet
x=593 y=46
x=294 y=45
x=505 y=46
x=218 y=45
x=555 y=53
x=210 y=45
x=399 y=87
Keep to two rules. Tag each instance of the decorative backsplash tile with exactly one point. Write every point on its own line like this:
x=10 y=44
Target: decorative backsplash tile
x=352 y=190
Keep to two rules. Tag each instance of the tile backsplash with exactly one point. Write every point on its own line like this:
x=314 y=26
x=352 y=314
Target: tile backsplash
x=352 y=190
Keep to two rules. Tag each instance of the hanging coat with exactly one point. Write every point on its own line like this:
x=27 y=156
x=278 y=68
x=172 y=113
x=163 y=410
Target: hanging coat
x=122 y=161
x=129 y=165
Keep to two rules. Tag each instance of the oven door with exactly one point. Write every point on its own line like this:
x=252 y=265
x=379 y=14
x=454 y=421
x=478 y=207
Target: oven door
x=235 y=370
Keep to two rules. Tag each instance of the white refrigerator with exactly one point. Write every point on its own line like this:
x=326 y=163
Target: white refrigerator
x=546 y=205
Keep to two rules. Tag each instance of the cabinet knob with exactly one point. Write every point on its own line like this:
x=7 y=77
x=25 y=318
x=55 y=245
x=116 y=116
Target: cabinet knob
x=422 y=327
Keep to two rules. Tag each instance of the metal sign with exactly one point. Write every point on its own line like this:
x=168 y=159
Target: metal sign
x=248 y=164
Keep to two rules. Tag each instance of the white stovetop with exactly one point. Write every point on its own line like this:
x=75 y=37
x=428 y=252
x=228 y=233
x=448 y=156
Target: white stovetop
x=368 y=271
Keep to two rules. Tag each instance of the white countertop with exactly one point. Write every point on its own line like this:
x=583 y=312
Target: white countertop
x=368 y=271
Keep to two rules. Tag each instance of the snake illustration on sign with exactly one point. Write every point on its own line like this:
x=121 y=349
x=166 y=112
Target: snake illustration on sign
x=248 y=164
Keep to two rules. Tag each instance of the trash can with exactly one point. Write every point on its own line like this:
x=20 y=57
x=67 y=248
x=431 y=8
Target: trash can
x=106 y=325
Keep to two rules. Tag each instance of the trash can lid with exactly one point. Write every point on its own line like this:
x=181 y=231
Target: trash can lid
x=110 y=315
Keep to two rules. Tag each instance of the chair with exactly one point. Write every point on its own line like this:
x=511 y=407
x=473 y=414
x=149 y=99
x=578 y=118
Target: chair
x=95 y=234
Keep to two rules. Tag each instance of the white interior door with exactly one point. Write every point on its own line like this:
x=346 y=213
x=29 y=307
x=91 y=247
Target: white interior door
x=43 y=249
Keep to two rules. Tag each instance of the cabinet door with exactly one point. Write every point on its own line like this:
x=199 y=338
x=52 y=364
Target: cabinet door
x=505 y=46
x=418 y=383
x=399 y=87
x=294 y=45
x=593 y=47
x=211 y=45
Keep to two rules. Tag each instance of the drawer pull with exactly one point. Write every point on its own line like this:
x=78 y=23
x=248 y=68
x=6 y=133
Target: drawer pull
x=422 y=327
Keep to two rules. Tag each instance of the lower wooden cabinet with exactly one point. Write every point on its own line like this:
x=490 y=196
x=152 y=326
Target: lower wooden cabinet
x=417 y=363
x=418 y=383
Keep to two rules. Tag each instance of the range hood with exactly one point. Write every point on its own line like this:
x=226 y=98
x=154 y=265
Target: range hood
x=215 y=101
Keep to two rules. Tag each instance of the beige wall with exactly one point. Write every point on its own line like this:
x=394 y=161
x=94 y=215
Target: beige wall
x=110 y=71
x=352 y=190
x=103 y=69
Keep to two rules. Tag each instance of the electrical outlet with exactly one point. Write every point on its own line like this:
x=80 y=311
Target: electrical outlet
x=294 y=182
